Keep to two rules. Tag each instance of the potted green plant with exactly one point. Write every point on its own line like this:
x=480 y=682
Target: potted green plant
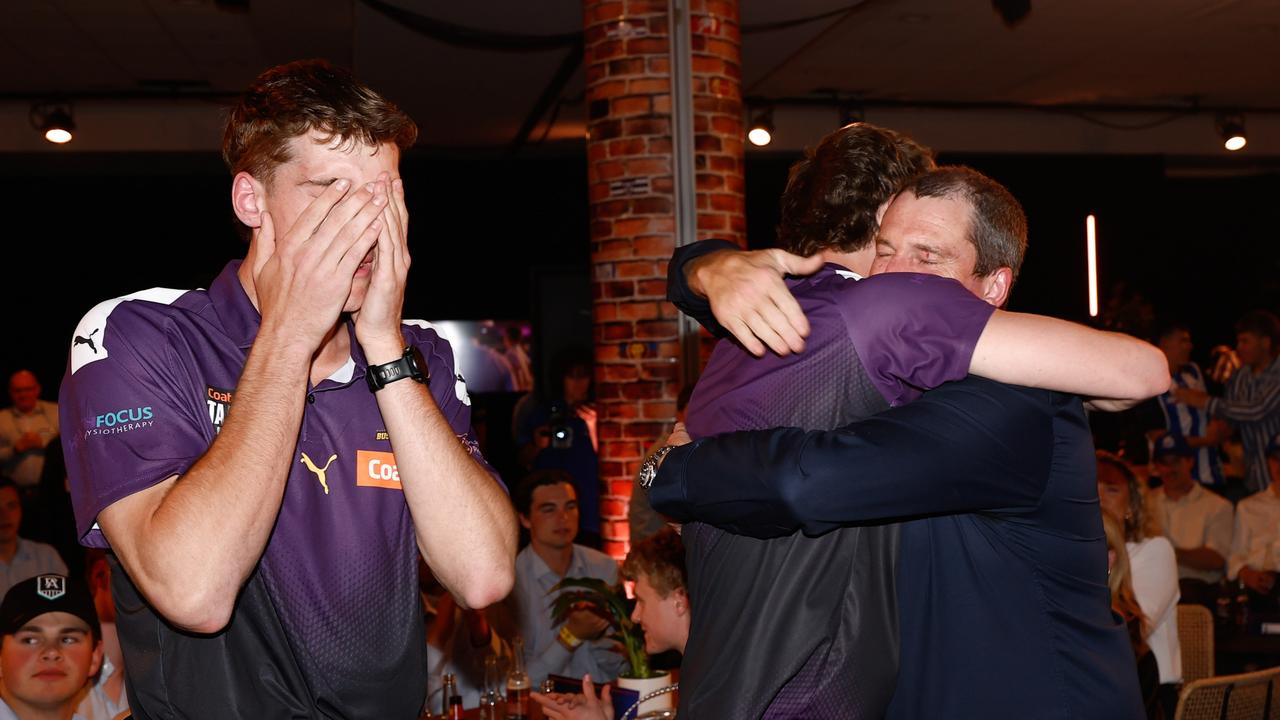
x=612 y=603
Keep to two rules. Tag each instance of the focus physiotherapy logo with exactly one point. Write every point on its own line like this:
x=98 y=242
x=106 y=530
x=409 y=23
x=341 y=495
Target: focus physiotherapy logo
x=121 y=421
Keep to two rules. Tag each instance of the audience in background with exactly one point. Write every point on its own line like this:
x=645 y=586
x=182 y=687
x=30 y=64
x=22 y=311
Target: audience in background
x=1252 y=401
x=51 y=646
x=548 y=508
x=1255 y=546
x=1125 y=604
x=21 y=558
x=1190 y=423
x=560 y=432
x=458 y=641
x=1153 y=568
x=518 y=358
x=656 y=565
x=25 y=429
x=1198 y=522
x=47 y=513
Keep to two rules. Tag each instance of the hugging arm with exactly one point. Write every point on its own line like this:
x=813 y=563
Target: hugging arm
x=967 y=446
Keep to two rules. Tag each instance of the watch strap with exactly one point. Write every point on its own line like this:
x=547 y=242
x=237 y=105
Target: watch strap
x=408 y=365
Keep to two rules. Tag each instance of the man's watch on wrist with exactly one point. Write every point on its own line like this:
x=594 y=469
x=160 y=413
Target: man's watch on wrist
x=410 y=365
x=649 y=468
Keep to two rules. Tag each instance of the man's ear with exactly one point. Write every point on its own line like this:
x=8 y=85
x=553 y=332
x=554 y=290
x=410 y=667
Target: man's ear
x=682 y=601
x=996 y=286
x=247 y=199
x=524 y=521
x=96 y=663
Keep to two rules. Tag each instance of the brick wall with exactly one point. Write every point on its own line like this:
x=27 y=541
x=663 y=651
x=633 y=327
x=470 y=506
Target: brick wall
x=630 y=166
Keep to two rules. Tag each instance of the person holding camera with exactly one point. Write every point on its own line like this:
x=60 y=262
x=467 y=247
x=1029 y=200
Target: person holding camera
x=560 y=434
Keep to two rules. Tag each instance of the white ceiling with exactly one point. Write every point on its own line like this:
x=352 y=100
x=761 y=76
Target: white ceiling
x=941 y=57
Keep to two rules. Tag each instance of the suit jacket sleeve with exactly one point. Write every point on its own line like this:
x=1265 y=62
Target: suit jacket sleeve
x=678 y=292
x=967 y=446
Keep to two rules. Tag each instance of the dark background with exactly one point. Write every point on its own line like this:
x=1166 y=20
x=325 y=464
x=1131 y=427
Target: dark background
x=507 y=238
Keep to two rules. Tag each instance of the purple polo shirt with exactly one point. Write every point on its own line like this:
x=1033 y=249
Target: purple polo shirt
x=873 y=344
x=329 y=624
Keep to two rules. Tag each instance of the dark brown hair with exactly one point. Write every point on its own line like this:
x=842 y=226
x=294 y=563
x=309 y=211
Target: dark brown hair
x=833 y=193
x=661 y=559
x=299 y=97
x=997 y=224
x=1262 y=323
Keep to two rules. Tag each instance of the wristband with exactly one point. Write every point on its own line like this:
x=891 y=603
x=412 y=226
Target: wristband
x=567 y=637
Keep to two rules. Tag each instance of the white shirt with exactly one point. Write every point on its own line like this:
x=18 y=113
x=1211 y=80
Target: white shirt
x=31 y=559
x=1155 y=585
x=97 y=705
x=531 y=608
x=1256 y=542
x=7 y=713
x=1199 y=518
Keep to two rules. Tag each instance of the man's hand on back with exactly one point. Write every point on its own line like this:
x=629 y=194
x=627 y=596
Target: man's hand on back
x=378 y=319
x=750 y=299
x=305 y=274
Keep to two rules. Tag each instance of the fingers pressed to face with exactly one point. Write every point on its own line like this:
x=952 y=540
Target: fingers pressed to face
x=319 y=209
x=353 y=230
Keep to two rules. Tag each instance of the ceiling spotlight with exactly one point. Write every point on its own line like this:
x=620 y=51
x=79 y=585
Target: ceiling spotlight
x=54 y=121
x=1231 y=128
x=761 y=132
x=1012 y=11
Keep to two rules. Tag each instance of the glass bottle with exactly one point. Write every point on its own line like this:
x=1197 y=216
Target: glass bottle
x=518 y=684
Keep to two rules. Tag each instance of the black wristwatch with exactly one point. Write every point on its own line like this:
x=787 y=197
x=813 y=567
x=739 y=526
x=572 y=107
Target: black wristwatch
x=410 y=365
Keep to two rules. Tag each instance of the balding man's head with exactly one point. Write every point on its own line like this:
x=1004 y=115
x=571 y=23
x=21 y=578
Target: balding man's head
x=24 y=390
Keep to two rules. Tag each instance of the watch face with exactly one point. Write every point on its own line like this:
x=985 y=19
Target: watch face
x=419 y=363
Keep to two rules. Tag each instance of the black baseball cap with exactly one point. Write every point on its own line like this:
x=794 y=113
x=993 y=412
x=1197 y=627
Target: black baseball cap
x=42 y=594
x=1170 y=445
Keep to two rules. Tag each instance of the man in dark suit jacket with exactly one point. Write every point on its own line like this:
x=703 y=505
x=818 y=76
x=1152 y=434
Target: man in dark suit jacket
x=1004 y=609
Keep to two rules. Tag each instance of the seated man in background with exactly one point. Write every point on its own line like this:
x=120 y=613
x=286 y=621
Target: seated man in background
x=656 y=566
x=1197 y=521
x=1255 y=545
x=548 y=509
x=25 y=430
x=51 y=646
x=21 y=558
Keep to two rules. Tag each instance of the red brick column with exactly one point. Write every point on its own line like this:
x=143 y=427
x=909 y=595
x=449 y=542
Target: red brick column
x=633 y=229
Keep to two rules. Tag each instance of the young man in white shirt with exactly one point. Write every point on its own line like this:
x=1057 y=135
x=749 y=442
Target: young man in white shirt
x=1255 y=546
x=547 y=504
x=50 y=646
x=1197 y=521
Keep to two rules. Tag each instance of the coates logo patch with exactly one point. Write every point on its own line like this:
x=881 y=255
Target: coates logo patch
x=121 y=421
x=377 y=469
x=51 y=587
x=219 y=402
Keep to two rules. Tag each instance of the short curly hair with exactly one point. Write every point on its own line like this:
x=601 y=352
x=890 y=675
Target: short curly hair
x=833 y=194
x=296 y=98
x=660 y=558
